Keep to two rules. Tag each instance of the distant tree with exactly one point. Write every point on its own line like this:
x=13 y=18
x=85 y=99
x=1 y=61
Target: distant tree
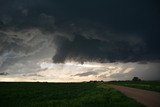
x=136 y=79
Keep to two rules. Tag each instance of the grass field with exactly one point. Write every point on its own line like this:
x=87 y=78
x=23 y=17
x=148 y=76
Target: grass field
x=147 y=85
x=62 y=95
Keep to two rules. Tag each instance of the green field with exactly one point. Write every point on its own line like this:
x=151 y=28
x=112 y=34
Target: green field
x=62 y=95
x=147 y=85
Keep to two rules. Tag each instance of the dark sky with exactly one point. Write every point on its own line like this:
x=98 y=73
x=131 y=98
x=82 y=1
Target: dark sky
x=109 y=30
x=79 y=30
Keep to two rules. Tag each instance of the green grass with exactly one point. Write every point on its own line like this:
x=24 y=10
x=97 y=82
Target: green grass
x=147 y=85
x=62 y=95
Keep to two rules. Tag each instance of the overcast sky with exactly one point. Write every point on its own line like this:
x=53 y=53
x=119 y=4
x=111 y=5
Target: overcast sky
x=75 y=40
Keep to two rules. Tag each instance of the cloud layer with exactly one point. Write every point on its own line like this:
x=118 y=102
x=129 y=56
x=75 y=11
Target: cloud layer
x=89 y=32
x=65 y=31
x=76 y=72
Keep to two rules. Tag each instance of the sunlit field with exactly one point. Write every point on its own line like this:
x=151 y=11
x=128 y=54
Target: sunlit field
x=62 y=95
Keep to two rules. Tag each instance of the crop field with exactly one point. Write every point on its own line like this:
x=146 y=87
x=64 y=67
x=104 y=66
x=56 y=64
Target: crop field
x=146 y=85
x=62 y=95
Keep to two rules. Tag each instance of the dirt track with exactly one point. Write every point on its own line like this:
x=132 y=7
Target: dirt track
x=148 y=98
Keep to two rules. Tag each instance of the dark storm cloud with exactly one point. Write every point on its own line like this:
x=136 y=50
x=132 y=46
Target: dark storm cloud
x=83 y=49
x=102 y=31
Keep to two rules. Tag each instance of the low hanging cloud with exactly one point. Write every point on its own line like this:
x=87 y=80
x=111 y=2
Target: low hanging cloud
x=82 y=49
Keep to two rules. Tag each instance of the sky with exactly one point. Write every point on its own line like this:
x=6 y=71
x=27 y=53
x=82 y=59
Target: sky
x=79 y=40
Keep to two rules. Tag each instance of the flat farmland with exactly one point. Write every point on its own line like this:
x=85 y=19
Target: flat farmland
x=62 y=95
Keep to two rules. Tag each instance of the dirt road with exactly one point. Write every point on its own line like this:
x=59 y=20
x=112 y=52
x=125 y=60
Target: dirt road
x=148 y=98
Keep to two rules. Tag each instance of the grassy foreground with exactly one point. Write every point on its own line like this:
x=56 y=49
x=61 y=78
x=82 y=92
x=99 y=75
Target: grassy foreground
x=147 y=85
x=62 y=95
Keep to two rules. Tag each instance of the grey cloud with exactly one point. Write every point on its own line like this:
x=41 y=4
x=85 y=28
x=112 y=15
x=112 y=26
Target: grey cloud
x=88 y=73
x=16 y=45
x=128 y=44
x=99 y=31
x=33 y=74
x=5 y=19
x=148 y=71
x=3 y=73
